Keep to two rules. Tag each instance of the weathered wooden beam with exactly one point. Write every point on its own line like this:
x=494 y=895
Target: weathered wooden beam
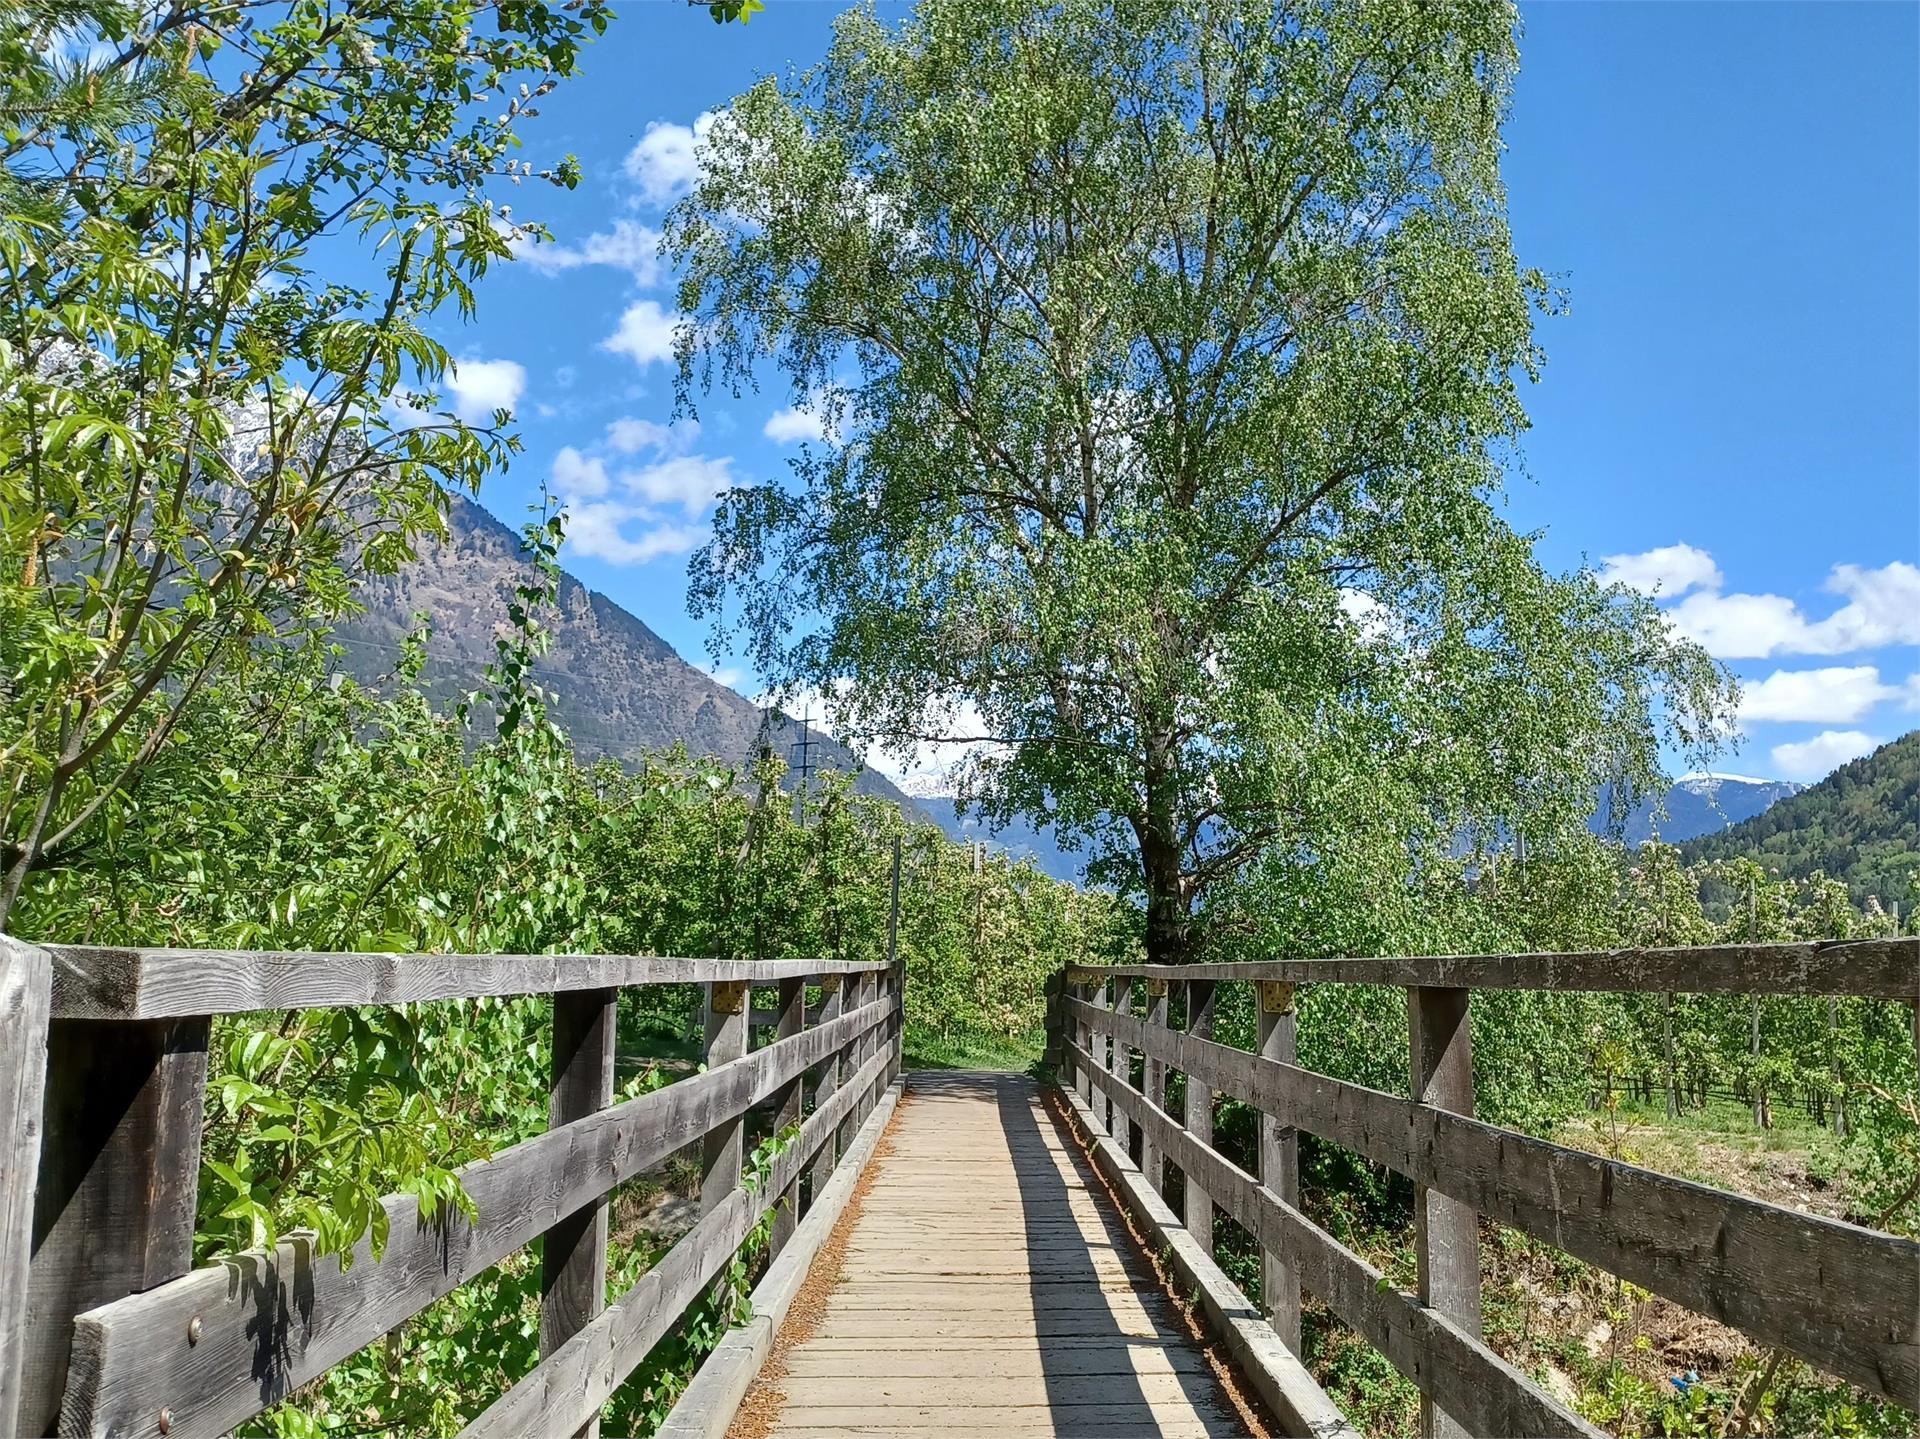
x=1280 y=1163
x=91 y=982
x=1199 y=1106
x=723 y=1151
x=270 y=1322
x=572 y=1384
x=1275 y=1373
x=1153 y=1164
x=26 y=995
x=790 y=1098
x=1874 y=968
x=573 y=1260
x=1448 y=1364
x=1843 y=1298
x=113 y=1205
x=1446 y=1233
x=827 y=1080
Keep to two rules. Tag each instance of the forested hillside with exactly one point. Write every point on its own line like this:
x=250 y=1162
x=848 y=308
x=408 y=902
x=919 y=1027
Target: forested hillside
x=1861 y=824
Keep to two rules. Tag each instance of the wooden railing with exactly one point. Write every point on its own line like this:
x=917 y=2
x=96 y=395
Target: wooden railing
x=105 y=1326
x=1844 y=1298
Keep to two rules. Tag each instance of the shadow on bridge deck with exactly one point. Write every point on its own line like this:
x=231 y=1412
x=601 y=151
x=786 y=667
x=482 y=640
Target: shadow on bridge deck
x=990 y=1288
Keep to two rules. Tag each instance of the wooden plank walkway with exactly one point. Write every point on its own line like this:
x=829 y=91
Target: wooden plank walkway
x=987 y=1287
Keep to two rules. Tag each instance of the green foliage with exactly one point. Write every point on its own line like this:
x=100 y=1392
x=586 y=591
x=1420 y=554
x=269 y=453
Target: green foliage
x=197 y=449
x=1169 y=351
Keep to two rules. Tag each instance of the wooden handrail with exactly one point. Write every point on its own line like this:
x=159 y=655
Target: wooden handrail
x=92 y=982
x=124 y=1337
x=1869 y=968
x=1846 y=1299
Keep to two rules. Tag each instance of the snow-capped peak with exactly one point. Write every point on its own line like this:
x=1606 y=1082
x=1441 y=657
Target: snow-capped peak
x=1707 y=781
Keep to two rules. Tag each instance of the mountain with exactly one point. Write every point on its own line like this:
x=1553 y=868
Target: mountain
x=1861 y=824
x=1022 y=839
x=1695 y=805
x=617 y=688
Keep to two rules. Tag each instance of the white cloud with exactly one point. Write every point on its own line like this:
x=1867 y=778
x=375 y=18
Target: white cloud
x=732 y=676
x=666 y=161
x=691 y=481
x=1837 y=695
x=1820 y=756
x=578 y=477
x=595 y=529
x=1742 y=627
x=1882 y=606
x=788 y=426
x=645 y=334
x=630 y=436
x=628 y=246
x=482 y=386
x=1669 y=571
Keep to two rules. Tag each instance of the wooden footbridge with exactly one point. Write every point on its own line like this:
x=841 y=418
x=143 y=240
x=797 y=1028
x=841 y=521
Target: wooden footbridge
x=961 y=1254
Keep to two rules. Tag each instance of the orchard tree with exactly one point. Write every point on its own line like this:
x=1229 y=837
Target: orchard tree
x=1167 y=355
x=223 y=231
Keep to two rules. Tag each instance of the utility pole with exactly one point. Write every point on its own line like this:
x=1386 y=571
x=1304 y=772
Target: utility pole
x=801 y=754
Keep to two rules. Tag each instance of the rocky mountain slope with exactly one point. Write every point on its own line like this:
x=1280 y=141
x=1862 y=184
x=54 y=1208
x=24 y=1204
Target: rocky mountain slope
x=618 y=688
x=1697 y=804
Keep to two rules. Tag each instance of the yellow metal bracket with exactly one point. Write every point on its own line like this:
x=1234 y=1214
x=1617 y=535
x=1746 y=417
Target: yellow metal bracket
x=1276 y=997
x=729 y=996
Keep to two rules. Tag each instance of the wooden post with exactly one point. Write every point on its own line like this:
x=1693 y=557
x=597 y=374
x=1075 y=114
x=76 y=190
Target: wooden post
x=724 y=1152
x=1084 y=990
x=788 y=1101
x=1134 y=1139
x=1153 y=1163
x=1446 y=1232
x=26 y=996
x=119 y=1176
x=896 y=971
x=1199 y=1119
x=855 y=993
x=832 y=998
x=1666 y=1051
x=573 y=1269
x=1103 y=1052
x=1280 y=1162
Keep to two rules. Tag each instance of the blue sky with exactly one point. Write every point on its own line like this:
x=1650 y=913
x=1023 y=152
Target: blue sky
x=1730 y=194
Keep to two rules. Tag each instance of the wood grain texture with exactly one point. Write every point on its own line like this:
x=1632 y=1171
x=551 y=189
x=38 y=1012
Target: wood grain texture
x=1199 y=1116
x=1454 y=1368
x=983 y=1235
x=573 y=1256
x=572 y=1384
x=1843 y=1298
x=1153 y=1077
x=119 y=1173
x=1280 y=1172
x=826 y=1080
x=790 y=1100
x=26 y=1000
x=1875 y=968
x=1282 y=1381
x=1446 y=1233
x=92 y=982
x=269 y=1323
